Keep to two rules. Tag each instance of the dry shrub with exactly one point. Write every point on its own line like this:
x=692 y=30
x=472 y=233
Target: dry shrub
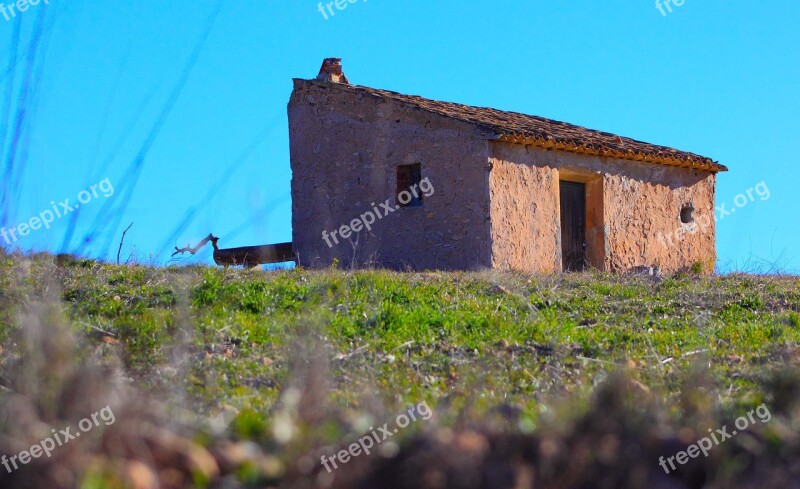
x=51 y=387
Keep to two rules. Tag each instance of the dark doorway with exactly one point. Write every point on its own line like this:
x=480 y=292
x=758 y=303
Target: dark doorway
x=573 y=226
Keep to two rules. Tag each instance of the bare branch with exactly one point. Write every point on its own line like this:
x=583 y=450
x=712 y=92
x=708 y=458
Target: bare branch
x=197 y=248
x=122 y=240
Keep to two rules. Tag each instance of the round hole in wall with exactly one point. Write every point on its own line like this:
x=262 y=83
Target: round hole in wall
x=687 y=214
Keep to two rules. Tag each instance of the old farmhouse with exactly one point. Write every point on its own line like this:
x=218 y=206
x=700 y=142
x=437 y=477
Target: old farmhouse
x=404 y=182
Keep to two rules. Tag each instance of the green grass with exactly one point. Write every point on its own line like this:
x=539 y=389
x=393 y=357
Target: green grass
x=325 y=354
x=514 y=339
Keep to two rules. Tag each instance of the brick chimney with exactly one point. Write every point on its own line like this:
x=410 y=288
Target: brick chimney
x=331 y=71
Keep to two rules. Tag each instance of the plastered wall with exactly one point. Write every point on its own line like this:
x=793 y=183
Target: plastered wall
x=633 y=217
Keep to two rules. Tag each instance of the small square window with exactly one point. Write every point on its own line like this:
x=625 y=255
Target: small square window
x=408 y=179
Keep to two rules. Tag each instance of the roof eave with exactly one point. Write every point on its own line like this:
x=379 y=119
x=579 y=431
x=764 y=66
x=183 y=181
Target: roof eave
x=696 y=164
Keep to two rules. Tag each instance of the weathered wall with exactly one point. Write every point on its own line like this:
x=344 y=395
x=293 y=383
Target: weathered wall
x=640 y=220
x=345 y=147
x=525 y=222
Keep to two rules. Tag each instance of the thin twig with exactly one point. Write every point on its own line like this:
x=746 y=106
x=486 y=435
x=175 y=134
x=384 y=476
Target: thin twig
x=660 y=362
x=404 y=345
x=348 y=356
x=195 y=249
x=99 y=330
x=597 y=360
x=694 y=352
x=122 y=240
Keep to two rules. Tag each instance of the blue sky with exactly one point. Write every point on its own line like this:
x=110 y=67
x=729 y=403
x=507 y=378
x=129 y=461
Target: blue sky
x=182 y=105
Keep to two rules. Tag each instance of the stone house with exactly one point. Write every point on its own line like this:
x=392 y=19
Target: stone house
x=400 y=181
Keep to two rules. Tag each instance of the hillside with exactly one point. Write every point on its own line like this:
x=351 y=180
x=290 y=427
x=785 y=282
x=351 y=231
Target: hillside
x=246 y=376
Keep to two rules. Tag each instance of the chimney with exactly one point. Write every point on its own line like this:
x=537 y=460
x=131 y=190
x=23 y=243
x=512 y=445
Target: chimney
x=331 y=71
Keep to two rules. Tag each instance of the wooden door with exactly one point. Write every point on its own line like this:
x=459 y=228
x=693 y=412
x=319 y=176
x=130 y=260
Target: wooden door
x=573 y=226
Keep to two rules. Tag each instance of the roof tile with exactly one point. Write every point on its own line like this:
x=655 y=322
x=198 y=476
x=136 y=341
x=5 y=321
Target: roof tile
x=514 y=127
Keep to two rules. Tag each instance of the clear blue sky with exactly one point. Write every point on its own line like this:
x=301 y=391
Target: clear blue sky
x=182 y=105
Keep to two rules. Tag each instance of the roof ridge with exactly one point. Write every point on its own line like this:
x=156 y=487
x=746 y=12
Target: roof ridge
x=519 y=128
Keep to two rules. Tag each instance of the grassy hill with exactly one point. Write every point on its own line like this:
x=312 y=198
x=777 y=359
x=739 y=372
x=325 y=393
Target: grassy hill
x=580 y=380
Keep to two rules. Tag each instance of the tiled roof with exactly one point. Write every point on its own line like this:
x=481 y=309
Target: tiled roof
x=546 y=133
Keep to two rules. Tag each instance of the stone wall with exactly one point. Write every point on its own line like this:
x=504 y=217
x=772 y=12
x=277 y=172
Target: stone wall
x=638 y=223
x=494 y=204
x=345 y=147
